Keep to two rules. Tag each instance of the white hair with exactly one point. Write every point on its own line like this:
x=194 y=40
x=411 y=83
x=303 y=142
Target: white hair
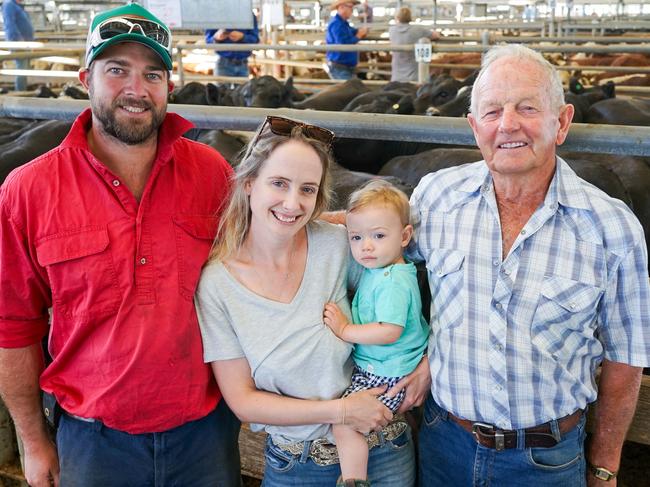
x=521 y=53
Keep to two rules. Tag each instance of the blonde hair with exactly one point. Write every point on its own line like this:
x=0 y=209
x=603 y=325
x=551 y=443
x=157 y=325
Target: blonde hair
x=379 y=192
x=236 y=218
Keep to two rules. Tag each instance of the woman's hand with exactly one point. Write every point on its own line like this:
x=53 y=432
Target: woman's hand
x=335 y=319
x=364 y=412
x=417 y=384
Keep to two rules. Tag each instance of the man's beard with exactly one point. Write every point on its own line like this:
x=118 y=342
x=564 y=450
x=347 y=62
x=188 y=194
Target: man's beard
x=130 y=132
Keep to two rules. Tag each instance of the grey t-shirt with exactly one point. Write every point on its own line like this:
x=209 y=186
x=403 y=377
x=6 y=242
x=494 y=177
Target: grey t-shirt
x=289 y=348
x=403 y=65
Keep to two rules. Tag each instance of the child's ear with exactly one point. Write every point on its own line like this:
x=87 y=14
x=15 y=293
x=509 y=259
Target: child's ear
x=407 y=233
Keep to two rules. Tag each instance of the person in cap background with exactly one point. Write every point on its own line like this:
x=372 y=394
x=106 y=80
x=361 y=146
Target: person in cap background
x=403 y=64
x=109 y=230
x=233 y=63
x=341 y=65
x=18 y=27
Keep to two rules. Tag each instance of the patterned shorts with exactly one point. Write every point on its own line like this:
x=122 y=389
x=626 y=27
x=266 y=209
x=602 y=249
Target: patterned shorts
x=362 y=380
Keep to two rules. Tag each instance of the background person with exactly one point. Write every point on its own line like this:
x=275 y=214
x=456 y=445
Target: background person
x=536 y=277
x=341 y=65
x=233 y=63
x=18 y=27
x=260 y=302
x=102 y=231
x=387 y=329
x=404 y=67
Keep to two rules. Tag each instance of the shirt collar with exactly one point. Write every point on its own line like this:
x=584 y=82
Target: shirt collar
x=565 y=188
x=172 y=128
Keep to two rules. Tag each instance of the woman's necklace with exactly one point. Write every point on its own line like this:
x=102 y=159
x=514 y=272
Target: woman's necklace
x=285 y=275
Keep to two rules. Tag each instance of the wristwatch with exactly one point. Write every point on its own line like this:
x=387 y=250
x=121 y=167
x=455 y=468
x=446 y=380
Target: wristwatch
x=601 y=473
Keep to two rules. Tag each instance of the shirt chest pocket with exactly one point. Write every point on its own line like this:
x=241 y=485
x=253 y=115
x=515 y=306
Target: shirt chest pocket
x=194 y=237
x=446 y=278
x=565 y=314
x=80 y=268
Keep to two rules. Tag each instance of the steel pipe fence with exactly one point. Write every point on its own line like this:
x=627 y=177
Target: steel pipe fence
x=609 y=139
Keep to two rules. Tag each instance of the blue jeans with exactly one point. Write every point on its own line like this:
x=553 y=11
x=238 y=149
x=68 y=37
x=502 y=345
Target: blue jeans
x=231 y=67
x=340 y=71
x=390 y=464
x=449 y=456
x=21 y=81
x=199 y=453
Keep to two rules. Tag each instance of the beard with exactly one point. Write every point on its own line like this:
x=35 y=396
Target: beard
x=129 y=131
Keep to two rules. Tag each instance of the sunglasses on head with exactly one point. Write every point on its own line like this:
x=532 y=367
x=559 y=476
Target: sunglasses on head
x=284 y=127
x=131 y=25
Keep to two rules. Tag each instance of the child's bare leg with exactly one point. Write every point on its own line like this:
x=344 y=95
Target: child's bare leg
x=353 y=452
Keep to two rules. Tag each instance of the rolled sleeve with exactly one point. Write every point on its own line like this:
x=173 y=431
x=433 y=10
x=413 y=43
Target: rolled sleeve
x=24 y=293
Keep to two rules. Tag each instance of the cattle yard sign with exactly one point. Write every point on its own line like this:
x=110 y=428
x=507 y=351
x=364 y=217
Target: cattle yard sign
x=203 y=14
x=423 y=50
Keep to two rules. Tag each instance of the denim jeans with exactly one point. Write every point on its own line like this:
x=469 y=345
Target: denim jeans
x=340 y=71
x=21 y=81
x=231 y=67
x=199 y=453
x=449 y=456
x=391 y=464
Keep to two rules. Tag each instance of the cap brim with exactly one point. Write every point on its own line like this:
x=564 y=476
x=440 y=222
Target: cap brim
x=161 y=51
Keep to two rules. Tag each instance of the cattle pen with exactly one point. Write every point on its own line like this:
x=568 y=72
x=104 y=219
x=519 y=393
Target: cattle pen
x=582 y=138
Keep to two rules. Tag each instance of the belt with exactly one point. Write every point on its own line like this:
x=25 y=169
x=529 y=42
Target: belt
x=324 y=453
x=79 y=418
x=540 y=436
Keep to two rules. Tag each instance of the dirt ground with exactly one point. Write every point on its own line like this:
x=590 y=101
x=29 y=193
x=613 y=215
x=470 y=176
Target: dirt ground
x=634 y=471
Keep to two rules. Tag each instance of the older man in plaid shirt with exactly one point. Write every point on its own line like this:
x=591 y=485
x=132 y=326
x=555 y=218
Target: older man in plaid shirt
x=537 y=278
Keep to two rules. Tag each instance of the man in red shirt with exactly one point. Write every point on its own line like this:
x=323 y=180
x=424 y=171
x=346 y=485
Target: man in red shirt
x=109 y=232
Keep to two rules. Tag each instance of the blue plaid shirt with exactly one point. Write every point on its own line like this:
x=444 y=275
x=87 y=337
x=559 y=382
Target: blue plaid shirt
x=516 y=341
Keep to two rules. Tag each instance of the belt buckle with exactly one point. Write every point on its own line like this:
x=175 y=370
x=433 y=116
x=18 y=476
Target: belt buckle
x=499 y=438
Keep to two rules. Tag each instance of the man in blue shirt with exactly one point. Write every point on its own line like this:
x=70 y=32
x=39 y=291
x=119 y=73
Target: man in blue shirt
x=233 y=63
x=17 y=27
x=341 y=64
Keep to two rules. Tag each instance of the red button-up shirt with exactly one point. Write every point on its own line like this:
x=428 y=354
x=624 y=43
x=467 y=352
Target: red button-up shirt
x=119 y=276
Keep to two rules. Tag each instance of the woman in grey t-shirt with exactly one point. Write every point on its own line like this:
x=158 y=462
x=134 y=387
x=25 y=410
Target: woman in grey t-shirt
x=260 y=303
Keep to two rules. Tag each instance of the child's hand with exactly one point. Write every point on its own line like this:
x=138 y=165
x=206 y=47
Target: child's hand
x=335 y=319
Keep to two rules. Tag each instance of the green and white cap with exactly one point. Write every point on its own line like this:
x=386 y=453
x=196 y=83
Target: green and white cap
x=129 y=23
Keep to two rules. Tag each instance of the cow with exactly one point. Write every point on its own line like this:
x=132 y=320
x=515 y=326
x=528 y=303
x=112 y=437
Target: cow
x=616 y=111
x=582 y=98
x=334 y=98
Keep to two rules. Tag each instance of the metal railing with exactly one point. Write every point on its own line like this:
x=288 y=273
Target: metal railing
x=608 y=139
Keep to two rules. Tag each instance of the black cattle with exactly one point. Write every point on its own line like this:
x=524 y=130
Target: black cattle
x=616 y=111
x=31 y=143
x=44 y=91
x=195 y=93
x=345 y=182
x=267 y=92
x=582 y=98
x=439 y=90
x=334 y=98
x=458 y=107
x=74 y=92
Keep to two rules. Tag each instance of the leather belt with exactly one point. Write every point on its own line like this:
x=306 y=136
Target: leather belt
x=324 y=453
x=540 y=436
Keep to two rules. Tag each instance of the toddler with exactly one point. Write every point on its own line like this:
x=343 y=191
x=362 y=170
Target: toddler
x=388 y=329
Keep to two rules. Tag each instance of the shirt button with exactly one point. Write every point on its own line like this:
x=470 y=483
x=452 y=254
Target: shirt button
x=497 y=306
x=143 y=261
x=495 y=263
x=572 y=306
x=506 y=272
x=386 y=273
x=499 y=348
x=116 y=182
x=523 y=232
x=498 y=387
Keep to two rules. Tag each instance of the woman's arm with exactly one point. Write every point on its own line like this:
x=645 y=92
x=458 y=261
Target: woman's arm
x=362 y=411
